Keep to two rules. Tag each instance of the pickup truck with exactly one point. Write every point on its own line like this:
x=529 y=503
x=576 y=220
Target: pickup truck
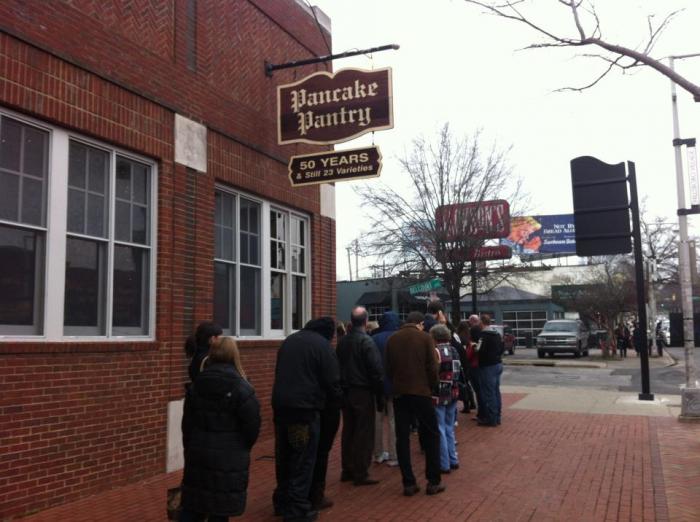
x=562 y=336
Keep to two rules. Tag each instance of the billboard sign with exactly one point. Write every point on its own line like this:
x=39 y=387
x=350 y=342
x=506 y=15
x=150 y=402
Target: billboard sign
x=338 y=165
x=476 y=220
x=551 y=234
x=326 y=108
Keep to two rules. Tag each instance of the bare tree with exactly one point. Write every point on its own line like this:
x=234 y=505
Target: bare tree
x=605 y=295
x=660 y=246
x=451 y=171
x=585 y=31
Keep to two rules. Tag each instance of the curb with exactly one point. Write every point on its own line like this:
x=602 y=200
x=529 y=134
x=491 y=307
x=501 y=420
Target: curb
x=560 y=364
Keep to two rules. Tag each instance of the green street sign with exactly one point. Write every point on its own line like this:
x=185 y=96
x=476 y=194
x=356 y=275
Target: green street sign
x=425 y=286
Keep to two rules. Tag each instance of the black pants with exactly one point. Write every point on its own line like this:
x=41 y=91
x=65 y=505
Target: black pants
x=296 y=444
x=357 y=441
x=406 y=407
x=330 y=420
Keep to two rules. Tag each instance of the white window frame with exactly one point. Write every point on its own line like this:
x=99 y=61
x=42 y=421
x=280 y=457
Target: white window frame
x=56 y=237
x=266 y=332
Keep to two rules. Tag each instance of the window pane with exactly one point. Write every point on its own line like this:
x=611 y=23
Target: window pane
x=253 y=250
x=21 y=269
x=228 y=244
x=9 y=196
x=228 y=209
x=96 y=216
x=10 y=144
x=122 y=223
x=139 y=224
x=76 y=165
x=32 y=204
x=245 y=215
x=298 y=302
x=277 y=301
x=34 y=151
x=76 y=211
x=123 y=179
x=302 y=233
x=277 y=255
x=84 y=297
x=140 y=173
x=218 y=241
x=218 y=204
x=254 y=222
x=130 y=308
x=250 y=301
x=245 y=249
x=98 y=170
x=225 y=296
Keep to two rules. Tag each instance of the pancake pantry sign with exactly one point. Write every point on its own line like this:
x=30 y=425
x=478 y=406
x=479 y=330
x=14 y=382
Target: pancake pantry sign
x=326 y=108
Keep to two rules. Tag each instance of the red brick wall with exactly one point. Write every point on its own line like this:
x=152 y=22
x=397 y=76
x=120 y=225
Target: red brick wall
x=76 y=418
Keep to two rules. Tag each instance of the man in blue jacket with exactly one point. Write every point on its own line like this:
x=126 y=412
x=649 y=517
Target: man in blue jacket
x=389 y=322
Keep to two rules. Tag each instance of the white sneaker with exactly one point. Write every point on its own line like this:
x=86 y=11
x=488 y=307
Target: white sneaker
x=392 y=463
x=382 y=457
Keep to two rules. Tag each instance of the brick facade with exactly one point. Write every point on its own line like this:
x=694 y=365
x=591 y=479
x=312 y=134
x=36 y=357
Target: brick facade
x=78 y=418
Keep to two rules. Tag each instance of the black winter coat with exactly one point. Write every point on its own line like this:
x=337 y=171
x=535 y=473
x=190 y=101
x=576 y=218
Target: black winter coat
x=220 y=424
x=306 y=373
x=360 y=364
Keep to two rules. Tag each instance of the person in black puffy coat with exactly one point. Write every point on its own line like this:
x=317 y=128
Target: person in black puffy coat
x=220 y=424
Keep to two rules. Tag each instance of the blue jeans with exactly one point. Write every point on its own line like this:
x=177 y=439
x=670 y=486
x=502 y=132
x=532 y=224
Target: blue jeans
x=490 y=392
x=446 y=425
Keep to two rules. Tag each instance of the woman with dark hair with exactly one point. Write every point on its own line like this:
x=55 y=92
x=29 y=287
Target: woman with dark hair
x=197 y=345
x=220 y=424
x=471 y=392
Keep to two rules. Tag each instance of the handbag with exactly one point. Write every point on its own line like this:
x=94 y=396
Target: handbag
x=174 y=503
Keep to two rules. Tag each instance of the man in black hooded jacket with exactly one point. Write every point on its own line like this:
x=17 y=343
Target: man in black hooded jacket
x=306 y=378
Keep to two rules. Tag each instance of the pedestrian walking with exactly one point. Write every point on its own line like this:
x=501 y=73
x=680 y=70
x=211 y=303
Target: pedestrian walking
x=361 y=380
x=385 y=439
x=220 y=424
x=622 y=339
x=412 y=366
x=490 y=351
x=637 y=338
x=307 y=379
x=446 y=395
x=197 y=346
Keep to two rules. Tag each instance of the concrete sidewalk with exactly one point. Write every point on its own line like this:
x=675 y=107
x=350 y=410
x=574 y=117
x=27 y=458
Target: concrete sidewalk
x=560 y=455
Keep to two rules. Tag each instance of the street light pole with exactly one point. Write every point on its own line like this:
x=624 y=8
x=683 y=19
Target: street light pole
x=690 y=404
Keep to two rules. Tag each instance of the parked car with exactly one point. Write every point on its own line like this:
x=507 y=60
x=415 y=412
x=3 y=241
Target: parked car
x=506 y=333
x=563 y=336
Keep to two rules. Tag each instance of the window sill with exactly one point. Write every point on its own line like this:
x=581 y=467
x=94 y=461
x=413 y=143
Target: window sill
x=38 y=346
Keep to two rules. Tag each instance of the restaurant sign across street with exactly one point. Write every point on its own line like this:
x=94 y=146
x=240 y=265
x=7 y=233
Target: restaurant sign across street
x=326 y=108
x=335 y=165
x=481 y=220
x=481 y=253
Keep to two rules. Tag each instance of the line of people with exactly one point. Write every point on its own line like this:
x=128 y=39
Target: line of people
x=409 y=376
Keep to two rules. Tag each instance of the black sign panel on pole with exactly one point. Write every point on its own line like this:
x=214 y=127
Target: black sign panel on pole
x=601 y=207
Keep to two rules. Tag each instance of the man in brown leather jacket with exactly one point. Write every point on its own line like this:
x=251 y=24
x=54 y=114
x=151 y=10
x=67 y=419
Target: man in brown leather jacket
x=412 y=365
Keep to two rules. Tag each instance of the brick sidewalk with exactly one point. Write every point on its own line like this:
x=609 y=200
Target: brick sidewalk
x=539 y=465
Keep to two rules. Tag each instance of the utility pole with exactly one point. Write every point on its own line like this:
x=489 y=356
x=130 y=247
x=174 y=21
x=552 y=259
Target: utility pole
x=357 y=252
x=690 y=393
x=349 y=261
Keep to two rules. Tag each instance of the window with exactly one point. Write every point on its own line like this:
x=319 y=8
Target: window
x=96 y=221
x=525 y=324
x=260 y=257
x=23 y=181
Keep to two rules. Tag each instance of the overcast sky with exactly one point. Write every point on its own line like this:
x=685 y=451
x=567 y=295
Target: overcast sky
x=461 y=66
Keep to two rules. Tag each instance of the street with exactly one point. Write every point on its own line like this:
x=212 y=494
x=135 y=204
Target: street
x=618 y=376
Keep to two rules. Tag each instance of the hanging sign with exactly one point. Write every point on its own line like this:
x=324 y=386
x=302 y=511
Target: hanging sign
x=335 y=165
x=480 y=220
x=481 y=253
x=425 y=286
x=326 y=108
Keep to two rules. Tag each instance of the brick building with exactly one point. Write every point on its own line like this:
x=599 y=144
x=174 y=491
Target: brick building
x=141 y=191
